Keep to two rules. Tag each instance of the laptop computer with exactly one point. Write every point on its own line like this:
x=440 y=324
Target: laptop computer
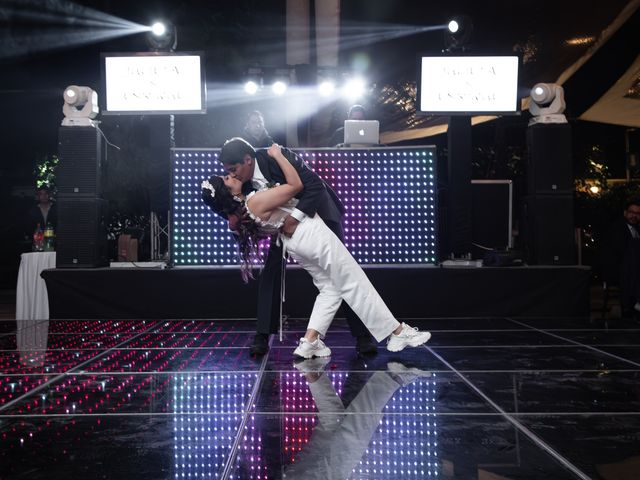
x=361 y=132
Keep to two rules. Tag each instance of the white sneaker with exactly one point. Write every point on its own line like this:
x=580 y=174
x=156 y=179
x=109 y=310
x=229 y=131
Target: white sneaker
x=307 y=349
x=408 y=337
x=405 y=375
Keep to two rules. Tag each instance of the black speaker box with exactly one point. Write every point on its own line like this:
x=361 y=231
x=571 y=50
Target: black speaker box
x=549 y=160
x=459 y=191
x=548 y=230
x=81 y=236
x=79 y=172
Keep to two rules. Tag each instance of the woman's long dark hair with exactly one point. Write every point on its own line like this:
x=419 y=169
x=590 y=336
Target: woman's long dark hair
x=247 y=233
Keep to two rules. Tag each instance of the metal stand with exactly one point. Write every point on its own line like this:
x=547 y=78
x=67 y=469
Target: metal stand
x=159 y=230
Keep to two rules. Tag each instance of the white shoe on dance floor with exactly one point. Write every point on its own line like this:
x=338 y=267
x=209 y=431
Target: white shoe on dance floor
x=307 y=349
x=408 y=337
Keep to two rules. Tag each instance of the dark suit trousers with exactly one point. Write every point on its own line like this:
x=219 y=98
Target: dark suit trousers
x=269 y=291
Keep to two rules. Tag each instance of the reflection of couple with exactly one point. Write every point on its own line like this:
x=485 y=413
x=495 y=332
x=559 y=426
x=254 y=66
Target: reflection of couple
x=297 y=212
x=343 y=434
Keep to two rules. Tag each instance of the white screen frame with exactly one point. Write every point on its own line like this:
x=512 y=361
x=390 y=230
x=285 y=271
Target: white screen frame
x=153 y=83
x=468 y=84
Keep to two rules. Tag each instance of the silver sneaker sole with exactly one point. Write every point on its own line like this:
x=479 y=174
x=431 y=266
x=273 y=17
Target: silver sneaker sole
x=322 y=352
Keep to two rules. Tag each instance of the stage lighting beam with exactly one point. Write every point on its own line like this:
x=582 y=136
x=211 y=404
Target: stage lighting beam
x=458 y=33
x=158 y=29
x=354 y=89
x=326 y=88
x=162 y=37
x=251 y=87
x=279 y=87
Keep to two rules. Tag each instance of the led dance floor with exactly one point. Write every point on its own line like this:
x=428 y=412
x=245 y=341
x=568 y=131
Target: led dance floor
x=486 y=398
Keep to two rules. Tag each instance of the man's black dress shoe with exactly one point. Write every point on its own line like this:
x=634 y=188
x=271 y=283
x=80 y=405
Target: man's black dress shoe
x=260 y=344
x=365 y=346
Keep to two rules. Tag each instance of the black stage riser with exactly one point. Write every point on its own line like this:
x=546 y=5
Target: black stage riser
x=409 y=292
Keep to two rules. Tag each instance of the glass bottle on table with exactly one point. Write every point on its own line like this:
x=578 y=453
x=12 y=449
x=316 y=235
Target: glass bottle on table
x=38 y=239
x=49 y=238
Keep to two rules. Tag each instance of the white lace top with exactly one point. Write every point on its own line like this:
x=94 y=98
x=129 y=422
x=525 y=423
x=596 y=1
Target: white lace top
x=276 y=219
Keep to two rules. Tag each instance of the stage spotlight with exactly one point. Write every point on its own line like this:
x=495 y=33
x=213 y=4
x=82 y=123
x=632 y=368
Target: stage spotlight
x=458 y=33
x=326 y=88
x=253 y=80
x=547 y=104
x=251 y=87
x=158 y=29
x=354 y=89
x=80 y=106
x=279 y=87
x=162 y=37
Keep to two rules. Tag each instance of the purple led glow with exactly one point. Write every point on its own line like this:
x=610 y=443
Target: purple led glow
x=388 y=194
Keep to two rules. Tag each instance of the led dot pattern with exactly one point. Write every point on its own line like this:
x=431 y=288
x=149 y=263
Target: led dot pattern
x=389 y=196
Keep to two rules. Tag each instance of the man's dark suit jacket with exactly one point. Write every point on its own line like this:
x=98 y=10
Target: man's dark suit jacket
x=35 y=218
x=315 y=197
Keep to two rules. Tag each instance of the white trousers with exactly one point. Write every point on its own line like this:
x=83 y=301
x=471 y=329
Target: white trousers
x=337 y=276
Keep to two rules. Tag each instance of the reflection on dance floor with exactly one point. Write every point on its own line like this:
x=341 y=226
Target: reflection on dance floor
x=487 y=398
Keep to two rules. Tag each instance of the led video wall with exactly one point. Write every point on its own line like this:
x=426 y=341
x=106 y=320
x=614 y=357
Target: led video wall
x=389 y=195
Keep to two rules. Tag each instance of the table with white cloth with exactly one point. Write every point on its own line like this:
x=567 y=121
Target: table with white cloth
x=32 y=301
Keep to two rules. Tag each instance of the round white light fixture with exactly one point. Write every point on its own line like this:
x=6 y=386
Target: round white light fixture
x=453 y=26
x=251 y=87
x=158 y=28
x=354 y=89
x=326 y=88
x=279 y=87
x=162 y=37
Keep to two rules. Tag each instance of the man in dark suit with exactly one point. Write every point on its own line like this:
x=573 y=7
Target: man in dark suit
x=256 y=169
x=621 y=256
x=255 y=133
x=43 y=213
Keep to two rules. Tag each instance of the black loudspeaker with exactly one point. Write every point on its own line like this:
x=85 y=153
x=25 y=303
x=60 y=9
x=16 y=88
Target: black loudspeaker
x=549 y=160
x=459 y=192
x=79 y=172
x=81 y=237
x=548 y=230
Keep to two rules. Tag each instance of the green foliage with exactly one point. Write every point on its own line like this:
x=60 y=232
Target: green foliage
x=45 y=171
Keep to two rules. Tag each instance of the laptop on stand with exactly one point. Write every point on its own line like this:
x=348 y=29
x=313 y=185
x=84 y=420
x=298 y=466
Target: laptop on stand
x=361 y=133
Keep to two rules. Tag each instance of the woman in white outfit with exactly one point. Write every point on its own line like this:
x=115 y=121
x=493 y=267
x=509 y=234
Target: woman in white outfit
x=315 y=247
